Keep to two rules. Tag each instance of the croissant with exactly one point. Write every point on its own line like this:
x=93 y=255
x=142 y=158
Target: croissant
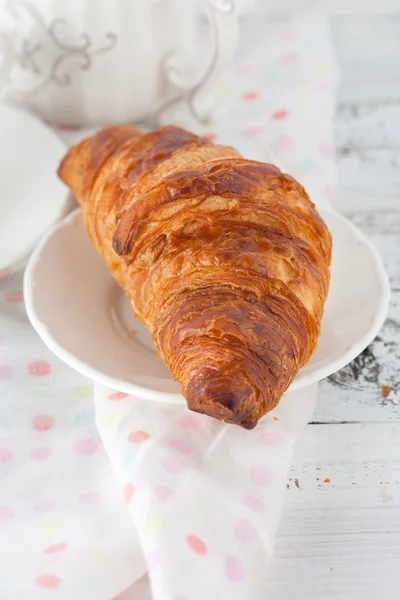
x=225 y=260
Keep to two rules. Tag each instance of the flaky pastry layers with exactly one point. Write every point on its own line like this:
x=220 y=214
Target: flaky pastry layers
x=225 y=260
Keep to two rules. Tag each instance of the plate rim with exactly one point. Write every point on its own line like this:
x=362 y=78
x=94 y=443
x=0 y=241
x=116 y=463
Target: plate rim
x=177 y=398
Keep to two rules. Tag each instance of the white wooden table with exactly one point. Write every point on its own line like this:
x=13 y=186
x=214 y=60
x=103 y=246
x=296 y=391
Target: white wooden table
x=341 y=539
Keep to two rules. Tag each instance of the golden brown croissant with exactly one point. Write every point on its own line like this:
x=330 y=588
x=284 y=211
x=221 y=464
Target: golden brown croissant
x=224 y=259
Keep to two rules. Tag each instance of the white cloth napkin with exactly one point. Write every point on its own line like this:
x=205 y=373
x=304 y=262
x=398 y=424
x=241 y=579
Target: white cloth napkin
x=203 y=498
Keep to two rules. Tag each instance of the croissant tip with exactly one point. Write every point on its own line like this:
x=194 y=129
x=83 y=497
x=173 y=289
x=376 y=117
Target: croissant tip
x=223 y=398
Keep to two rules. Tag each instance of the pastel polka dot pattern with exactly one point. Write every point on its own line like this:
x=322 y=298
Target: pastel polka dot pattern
x=156 y=522
x=50 y=525
x=48 y=582
x=288 y=34
x=280 y=114
x=6 y=272
x=326 y=150
x=42 y=422
x=245 y=532
x=243 y=69
x=250 y=96
x=255 y=504
x=82 y=391
x=138 y=437
x=271 y=439
x=190 y=422
x=90 y=498
x=283 y=143
x=234 y=569
x=40 y=453
x=86 y=447
x=116 y=396
x=128 y=492
x=290 y=58
x=5 y=455
x=14 y=296
x=173 y=465
x=5 y=372
x=180 y=446
x=254 y=131
x=261 y=475
x=163 y=492
x=39 y=368
x=154 y=559
x=196 y=544
x=6 y=513
x=44 y=507
x=55 y=548
x=98 y=554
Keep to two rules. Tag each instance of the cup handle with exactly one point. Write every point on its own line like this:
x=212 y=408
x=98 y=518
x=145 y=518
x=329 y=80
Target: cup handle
x=222 y=16
x=7 y=53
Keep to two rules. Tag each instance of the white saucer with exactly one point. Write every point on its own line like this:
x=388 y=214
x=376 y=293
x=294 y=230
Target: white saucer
x=32 y=197
x=84 y=318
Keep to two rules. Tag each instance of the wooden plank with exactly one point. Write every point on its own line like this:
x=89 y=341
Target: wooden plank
x=355 y=393
x=340 y=539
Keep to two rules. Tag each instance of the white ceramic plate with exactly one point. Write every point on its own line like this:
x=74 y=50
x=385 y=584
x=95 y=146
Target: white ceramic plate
x=32 y=197
x=84 y=318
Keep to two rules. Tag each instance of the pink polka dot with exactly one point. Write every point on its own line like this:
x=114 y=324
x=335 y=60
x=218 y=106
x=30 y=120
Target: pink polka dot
x=86 y=447
x=115 y=396
x=290 y=58
x=323 y=86
x=6 y=513
x=5 y=272
x=329 y=193
x=234 y=569
x=14 y=296
x=39 y=368
x=243 y=69
x=91 y=498
x=326 y=150
x=190 y=422
x=48 y=582
x=271 y=439
x=255 y=504
x=253 y=131
x=245 y=532
x=283 y=143
x=44 y=507
x=5 y=372
x=280 y=114
x=153 y=559
x=173 y=465
x=42 y=422
x=128 y=492
x=250 y=96
x=55 y=548
x=260 y=475
x=163 y=492
x=180 y=446
x=196 y=544
x=288 y=34
x=5 y=455
x=211 y=137
x=138 y=437
x=40 y=453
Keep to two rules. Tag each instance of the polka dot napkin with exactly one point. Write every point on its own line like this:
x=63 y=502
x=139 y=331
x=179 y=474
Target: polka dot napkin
x=92 y=494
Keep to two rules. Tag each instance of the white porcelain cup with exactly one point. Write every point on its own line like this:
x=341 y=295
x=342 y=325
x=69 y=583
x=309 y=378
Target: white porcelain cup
x=91 y=62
